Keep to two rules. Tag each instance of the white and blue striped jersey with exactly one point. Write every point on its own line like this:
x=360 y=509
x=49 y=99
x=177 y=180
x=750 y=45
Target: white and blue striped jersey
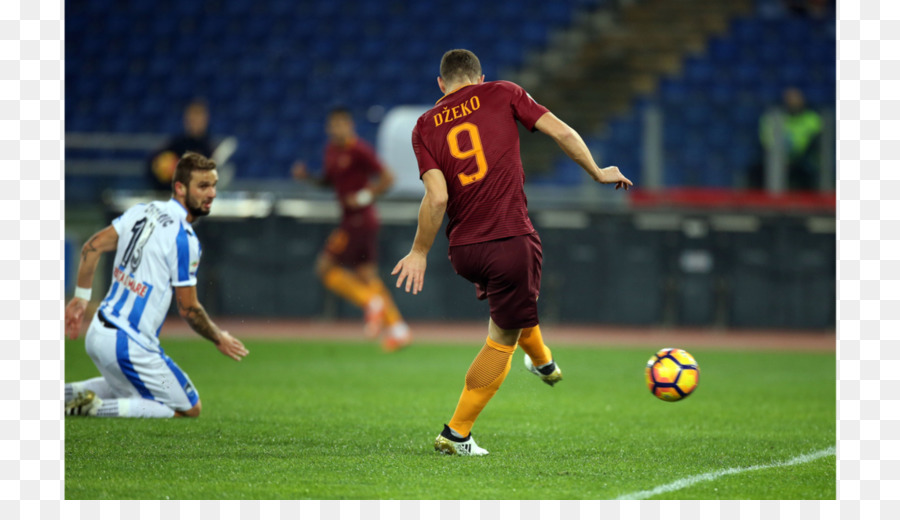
x=157 y=250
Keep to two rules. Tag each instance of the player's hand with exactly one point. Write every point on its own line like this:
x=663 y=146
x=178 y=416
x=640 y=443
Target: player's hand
x=75 y=317
x=231 y=346
x=360 y=199
x=299 y=171
x=411 y=269
x=612 y=175
x=350 y=202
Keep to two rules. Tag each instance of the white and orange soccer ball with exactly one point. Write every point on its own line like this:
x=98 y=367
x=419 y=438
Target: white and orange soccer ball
x=672 y=374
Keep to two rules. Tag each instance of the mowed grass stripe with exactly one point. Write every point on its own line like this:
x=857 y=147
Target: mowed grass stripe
x=713 y=475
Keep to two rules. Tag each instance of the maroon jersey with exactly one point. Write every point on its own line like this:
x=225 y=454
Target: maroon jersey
x=471 y=136
x=348 y=168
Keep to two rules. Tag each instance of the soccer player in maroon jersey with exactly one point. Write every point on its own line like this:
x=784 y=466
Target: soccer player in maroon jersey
x=347 y=265
x=467 y=147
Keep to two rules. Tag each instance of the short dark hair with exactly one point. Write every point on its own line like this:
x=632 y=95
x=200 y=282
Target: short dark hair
x=340 y=110
x=460 y=64
x=197 y=103
x=188 y=164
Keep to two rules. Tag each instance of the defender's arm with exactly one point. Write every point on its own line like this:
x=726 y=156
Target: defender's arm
x=193 y=312
x=101 y=242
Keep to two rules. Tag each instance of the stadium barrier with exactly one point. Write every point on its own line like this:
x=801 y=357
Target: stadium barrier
x=742 y=267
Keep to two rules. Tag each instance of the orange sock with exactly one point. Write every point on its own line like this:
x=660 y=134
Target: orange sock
x=346 y=284
x=532 y=343
x=391 y=312
x=484 y=377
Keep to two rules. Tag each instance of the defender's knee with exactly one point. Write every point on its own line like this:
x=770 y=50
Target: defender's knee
x=193 y=412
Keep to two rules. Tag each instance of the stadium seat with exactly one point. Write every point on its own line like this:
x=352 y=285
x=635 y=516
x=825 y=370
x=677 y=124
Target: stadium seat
x=294 y=60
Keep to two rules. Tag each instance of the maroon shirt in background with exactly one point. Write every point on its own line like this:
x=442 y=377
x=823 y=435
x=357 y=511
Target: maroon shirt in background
x=486 y=189
x=348 y=169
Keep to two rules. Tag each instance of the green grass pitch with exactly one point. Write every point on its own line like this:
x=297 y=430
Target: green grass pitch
x=342 y=420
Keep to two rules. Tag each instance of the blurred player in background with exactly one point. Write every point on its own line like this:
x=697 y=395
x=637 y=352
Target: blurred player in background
x=156 y=250
x=348 y=264
x=467 y=147
x=194 y=139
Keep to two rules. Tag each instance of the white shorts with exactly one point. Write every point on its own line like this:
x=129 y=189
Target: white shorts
x=133 y=370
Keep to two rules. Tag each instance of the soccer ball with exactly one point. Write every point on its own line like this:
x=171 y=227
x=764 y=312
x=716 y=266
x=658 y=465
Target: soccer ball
x=672 y=374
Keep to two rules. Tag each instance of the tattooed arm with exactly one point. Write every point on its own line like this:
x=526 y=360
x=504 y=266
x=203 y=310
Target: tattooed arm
x=102 y=241
x=194 y=313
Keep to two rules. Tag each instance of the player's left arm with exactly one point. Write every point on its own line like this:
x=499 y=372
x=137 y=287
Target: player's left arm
x=383 y=181
x=411 y=268
x=301 y=173
x=101 y=242
x=195 y=315
x=572 y=143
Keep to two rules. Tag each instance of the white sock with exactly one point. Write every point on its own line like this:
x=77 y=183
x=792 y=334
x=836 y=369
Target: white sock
x=98 y=385
x=375 y=304
x=458 y=436
x=399 y=329
x=134 y=407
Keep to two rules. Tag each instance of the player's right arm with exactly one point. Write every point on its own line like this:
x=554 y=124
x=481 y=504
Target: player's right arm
x=195 y=315
x=411 y=268
x=572 y=143
x=102 y=241
x=300 y=172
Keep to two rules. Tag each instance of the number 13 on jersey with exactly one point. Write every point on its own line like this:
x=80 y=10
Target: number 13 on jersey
x=477 y=151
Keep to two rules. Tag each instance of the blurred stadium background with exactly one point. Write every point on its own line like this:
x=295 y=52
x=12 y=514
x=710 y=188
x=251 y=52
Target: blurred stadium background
x=719 y=232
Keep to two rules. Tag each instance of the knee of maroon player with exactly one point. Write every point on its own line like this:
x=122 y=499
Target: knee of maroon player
x=368 y=271
x=501 y=335
x=324 y=263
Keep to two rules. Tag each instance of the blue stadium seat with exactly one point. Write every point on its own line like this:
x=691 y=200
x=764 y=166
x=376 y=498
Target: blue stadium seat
x=792 y=74
x=723 y=50
x=697 y=71
x=746 y=74
x=674 y=172
x=820 y=96
x=769 y=93
x=271 y=71
x=557 y=13
x=673 y=91
x=746 y=114
x=745 y=30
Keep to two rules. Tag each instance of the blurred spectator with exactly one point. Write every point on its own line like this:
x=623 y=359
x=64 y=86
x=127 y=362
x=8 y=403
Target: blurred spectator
x=811 y=8
x=194 y=139
x=816 y=9
x=801 y=130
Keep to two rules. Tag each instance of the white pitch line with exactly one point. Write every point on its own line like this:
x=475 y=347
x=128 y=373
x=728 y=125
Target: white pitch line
x=690 y=481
